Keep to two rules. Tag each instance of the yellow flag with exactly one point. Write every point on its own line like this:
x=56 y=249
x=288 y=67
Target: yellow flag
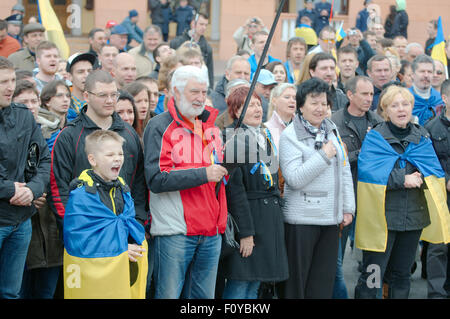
x=53 y=28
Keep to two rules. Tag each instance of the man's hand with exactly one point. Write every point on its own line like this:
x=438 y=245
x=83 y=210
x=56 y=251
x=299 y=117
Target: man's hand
x=40 y=202
x=246 y=246
x=134 y=252
x=215 y=172
x=23 y=196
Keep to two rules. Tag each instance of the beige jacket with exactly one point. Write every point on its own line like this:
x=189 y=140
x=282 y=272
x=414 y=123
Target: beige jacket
x=143 y=63
x=23 y=60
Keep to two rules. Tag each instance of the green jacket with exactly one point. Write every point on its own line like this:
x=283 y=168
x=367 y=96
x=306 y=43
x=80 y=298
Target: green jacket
x=23 y=60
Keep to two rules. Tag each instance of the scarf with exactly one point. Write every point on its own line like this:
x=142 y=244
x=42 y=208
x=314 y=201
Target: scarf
x=320 y=134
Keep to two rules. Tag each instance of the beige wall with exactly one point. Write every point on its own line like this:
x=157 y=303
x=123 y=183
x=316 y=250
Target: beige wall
x=118 y=10
x=5 y=8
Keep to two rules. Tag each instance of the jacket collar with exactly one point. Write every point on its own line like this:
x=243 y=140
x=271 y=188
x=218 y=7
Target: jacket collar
x=413 y=137
x=208 y=116
x=116 y=125
x=302 y=133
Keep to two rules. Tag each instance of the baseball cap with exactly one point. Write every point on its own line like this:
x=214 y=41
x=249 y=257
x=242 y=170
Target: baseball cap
x=15 y=19
x=119 y=29
x=18 y=7
x=74 y=58
x=33 y=27
x=266 y=77
x=110 y=24
x=133 y=13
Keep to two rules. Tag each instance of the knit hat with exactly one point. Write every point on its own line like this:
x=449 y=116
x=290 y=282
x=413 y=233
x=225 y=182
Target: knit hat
x=132 y=13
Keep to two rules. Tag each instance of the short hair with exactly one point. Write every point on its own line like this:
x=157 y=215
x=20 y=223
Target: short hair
x=97 y=76
x=187 y=55
x=322 y=56
x=49 y=91
x=237 y=98
x=24 y=85
x=108 y=46
x=313 y=87
x=92 y=33
x=326 y=29
x=275 y=93
x=6 y=64
x=156 y=50
x=146 y=78
x=233 y=59
x=185 y=73
x=257 y=33
x=423 y=58
x=295 y=40
x=413 y=45
x=445 y=88
x=386 y=42
x=377 y=58
x=45 y=45
x=134 y=88
x=351 y=84
x=3 y=24
x=153 y=28
x=388 y=97
x=369 y=33
x=404 y=65
x=347 y=50
x=95 y=140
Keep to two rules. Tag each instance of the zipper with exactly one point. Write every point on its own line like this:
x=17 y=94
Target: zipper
x=112 y=194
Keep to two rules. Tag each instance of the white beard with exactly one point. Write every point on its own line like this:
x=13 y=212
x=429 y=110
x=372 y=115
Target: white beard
x=187 y=109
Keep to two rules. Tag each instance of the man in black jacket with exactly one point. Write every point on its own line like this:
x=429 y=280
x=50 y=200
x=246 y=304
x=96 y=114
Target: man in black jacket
x=196 y=34
x=437 y=255
x=69 y=158
x=24 y=174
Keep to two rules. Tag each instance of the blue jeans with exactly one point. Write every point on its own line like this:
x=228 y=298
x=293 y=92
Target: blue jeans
x=237 y=289
x=14 y=242
x=186 y=266
x=340 y=289
x=40 y=283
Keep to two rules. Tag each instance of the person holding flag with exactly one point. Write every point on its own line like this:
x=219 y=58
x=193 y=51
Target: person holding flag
x=400 y=198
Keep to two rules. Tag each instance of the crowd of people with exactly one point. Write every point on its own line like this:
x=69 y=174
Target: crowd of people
x=123 y=173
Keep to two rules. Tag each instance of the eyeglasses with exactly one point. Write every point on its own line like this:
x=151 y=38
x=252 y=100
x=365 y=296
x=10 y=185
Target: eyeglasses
x=104 y=96
x=332 y=41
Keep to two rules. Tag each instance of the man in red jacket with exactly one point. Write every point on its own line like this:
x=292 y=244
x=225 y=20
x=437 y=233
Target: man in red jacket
x=182 y=149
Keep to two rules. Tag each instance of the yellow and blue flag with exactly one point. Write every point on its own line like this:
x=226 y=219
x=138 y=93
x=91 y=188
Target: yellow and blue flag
x=53 y=28
x=438 y=51
x=96 y=263
x=340 y=34
x=375 y=163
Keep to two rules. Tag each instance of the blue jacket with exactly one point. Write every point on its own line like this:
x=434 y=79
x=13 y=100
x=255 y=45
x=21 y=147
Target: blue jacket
x=361 y=20
x=426 y=109
x=290 y=72
x=183 y=17
x=305 y=12
x=254 y=64
x=134 y=32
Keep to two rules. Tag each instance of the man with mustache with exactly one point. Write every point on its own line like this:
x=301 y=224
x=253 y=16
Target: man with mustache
x=323 y=66
x=427 y=101
x=182 y=151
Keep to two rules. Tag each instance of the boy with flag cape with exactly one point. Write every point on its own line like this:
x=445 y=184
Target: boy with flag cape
x=105 y=248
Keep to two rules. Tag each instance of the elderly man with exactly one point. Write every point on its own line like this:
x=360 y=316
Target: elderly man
x=143 y=53
x=124 y=70
x=427 y=101
x=188 y=215
x=264 y=85
x=237 y=68
x=413 y=50
x=119 y=38
x=25 y=59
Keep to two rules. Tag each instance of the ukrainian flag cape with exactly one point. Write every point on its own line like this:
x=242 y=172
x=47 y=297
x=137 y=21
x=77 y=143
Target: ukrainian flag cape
x=375 y=163
x=96 y=264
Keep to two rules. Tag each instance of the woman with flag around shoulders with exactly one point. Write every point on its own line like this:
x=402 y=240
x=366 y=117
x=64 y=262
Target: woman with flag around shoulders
x=253 y=199
x=401 y=197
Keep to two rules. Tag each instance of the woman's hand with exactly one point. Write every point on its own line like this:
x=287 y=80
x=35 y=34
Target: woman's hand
x=348 y=218
x=413 y=180
x=246 y=246
x=329 y=149
x=134 y=252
